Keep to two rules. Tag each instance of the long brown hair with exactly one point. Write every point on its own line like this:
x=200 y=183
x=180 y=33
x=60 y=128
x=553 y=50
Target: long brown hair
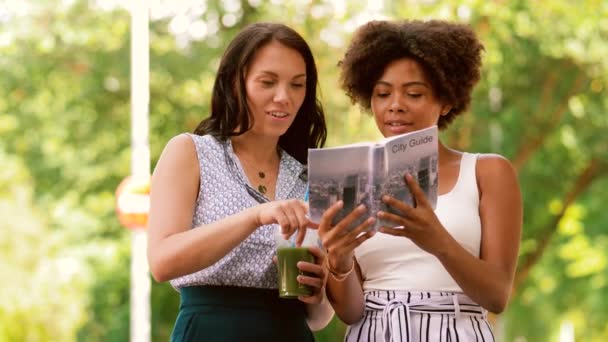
x=230 y=114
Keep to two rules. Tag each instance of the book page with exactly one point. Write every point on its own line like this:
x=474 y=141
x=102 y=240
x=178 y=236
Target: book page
x=363 y=173
x=336 y=174
x=378 y=180
x=415 y=153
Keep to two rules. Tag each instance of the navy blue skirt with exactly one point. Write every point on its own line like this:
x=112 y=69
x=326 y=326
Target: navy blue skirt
x=219 y=313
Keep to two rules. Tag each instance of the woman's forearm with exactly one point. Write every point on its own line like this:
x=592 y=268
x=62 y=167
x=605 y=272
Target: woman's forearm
x=196 y=249
x=483 y=282
x=346 y=297
x=319 y=315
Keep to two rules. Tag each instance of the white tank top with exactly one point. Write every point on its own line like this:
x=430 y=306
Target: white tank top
x=395 y=263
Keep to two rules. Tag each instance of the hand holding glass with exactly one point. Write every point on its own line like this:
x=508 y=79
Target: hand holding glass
x=288 y=256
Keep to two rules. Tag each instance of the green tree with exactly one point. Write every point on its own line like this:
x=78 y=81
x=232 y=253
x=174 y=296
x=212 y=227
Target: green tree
x=64 y=147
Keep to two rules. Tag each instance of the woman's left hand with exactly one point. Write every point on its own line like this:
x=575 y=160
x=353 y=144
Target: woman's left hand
x=420 y=224
x=316 y=278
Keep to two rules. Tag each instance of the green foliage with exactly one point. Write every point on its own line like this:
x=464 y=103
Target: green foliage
x=65 y=146
x=43 y=275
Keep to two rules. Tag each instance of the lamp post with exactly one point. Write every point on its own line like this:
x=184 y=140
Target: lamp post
x=132 y=207
x=132 y=195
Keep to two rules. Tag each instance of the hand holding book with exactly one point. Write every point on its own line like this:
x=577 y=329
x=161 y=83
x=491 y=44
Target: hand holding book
x=361 y=174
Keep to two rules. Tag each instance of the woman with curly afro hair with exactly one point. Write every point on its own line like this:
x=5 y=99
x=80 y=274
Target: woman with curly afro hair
x=435 y=277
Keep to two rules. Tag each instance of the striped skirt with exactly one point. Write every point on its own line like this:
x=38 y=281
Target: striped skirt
x=420 y=316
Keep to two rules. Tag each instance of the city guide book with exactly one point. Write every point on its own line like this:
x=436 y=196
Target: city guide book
x=362 y=173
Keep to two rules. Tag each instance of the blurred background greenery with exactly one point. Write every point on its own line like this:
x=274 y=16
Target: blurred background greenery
x=65 y=146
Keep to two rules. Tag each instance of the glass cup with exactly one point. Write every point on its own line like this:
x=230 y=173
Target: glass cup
x=288 y=256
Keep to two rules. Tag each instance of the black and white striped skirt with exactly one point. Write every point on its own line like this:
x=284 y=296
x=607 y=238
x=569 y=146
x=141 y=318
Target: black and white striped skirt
x=420 y=316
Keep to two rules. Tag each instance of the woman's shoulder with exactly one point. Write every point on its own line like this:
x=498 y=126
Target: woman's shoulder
x=493 y=161
x=492 y=167
x=196 y=138
x=180 y=148
x=181 y=141
x=191 y=141
x=178 y=160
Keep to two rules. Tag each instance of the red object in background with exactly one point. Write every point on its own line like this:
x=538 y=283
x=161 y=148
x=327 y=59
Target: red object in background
x=133 y=203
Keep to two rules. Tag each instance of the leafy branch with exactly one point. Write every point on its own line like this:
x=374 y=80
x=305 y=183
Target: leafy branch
x=594 y=170
x=548 y=126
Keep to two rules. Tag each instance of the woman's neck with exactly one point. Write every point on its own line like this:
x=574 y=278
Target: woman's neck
x=263 y=151
x=447 y=154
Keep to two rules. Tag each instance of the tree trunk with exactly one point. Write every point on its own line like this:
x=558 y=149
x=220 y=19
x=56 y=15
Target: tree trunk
x=526 y=151
x=591 y=172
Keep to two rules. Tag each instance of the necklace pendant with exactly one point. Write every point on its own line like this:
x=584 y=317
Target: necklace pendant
x=262 y=189
x=261 y=174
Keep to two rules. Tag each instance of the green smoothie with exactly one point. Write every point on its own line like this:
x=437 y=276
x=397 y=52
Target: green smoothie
x=287 y=260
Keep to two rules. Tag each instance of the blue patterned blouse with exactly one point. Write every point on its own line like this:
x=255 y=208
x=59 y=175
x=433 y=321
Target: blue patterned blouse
x=224 y=191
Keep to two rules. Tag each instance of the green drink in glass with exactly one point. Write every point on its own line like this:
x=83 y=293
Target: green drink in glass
x=287 y=260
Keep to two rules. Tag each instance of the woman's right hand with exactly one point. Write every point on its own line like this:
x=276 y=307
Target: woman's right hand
x=289 y=214
x=340 y=240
